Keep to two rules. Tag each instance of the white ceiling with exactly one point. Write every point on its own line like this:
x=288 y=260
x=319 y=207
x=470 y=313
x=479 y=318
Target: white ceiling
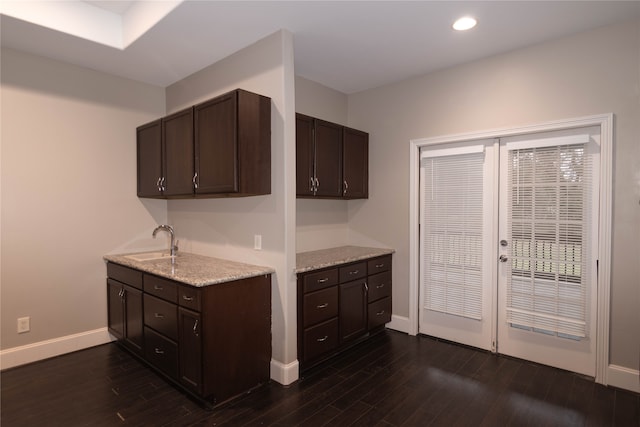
x=346 y=45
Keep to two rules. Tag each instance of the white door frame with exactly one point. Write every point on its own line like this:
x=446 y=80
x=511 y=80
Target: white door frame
x=605 y=122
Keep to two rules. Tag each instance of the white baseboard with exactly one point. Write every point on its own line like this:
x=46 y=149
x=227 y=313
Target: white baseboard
x=22 y=355
x=621 y=377
x=400 y=323
x=284 y=374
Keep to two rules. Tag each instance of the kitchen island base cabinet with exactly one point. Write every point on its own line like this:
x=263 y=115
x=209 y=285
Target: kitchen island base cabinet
x=214 y=341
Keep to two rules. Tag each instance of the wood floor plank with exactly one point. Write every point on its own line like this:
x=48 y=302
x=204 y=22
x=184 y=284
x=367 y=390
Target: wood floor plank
x=390 y=380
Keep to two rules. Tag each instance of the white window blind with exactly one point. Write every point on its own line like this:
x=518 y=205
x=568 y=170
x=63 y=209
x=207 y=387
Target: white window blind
x=452 y=219
x=549 y=200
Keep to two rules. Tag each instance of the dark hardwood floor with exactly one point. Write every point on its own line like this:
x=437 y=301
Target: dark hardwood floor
x=391 y=380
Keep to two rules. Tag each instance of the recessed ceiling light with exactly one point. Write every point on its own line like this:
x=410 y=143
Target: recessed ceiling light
x=464 y=23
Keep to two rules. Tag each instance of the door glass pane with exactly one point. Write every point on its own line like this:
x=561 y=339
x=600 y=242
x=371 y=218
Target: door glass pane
x=549 y=205
x=453 y=234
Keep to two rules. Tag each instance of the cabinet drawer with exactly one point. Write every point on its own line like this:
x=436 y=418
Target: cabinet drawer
x=320 y=305
x=353 y=272
x=320 y=280
x=161 y=352
x=161 y=316
x=162 y=288
x=320 y=339
x=379 y=312
x=380 y=264
x=125 y=275
x=379 y=286
x=189 y=297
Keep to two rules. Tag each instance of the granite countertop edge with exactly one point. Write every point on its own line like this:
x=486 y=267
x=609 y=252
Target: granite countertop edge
x=193 y=269
x=324 y=258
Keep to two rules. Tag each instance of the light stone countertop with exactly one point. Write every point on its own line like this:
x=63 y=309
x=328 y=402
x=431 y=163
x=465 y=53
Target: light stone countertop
x=192 y=269
x=315 y=260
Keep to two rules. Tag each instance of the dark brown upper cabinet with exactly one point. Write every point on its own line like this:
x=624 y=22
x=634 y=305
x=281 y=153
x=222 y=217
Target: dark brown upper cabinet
x=165 y=156
x=149 y=153
x=233 y=145
x=355 y=164
x=331 y=160
x=219 y=148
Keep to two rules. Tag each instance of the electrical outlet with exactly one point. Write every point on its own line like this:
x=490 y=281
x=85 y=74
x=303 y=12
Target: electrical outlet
x=24 y=324
x=257 y=242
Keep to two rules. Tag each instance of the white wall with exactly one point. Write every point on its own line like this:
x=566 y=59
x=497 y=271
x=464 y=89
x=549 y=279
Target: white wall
x=226 y=227
x=68 y=194
x=590 y=73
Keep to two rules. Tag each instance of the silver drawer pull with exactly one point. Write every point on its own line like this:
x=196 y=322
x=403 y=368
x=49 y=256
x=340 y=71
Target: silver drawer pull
x=379 y=265
x=325 y=305
x=158 y=351
x=187 y=298
x=159 y=315
x=324 y=338
x=354 y=272
x=380 y=313
x=380 y=286
x=326 y=279
x=158 y=287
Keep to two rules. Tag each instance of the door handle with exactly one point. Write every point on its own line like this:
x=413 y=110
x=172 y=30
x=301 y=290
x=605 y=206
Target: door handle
x=503 y=258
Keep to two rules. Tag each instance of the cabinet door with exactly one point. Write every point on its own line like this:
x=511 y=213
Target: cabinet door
x=328 y=159
x=216 y=145
x=133 y=319
x=355 y=164
x=115 y=301
x=190 y=349
x=304 y=155
x=353 y=310
x=125 y=314
x=177 y=134
x=149 y=153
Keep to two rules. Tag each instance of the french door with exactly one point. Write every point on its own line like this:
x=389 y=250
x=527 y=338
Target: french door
x=507 y=239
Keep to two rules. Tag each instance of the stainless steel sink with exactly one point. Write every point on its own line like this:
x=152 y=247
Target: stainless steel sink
x=149 y=256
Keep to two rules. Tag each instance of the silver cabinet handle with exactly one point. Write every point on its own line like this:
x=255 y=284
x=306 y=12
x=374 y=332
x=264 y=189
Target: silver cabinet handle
x=354 y=272
x=158 y=183
x=380 y=313
x=159 y=315
x=503 y=258
x=326 y=279
x=325 y=305
x=381 y=285
x=195 y=180
x=317 y=183
x=346 y=187
x=195 y=328
x=158 y=350
x=366 y=287
x=379 y=265
x=324 y=338
x=158 y=287
x=187 y=298
x=311 y=187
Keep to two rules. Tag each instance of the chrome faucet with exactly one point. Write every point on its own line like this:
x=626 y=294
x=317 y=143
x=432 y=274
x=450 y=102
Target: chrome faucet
x=168 y=229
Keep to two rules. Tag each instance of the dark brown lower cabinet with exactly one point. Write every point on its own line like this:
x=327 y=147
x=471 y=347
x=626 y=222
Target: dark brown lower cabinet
x=125 y=312
x=340 y=305
x=190 y=324
x=353 y=310
x=213 y=341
